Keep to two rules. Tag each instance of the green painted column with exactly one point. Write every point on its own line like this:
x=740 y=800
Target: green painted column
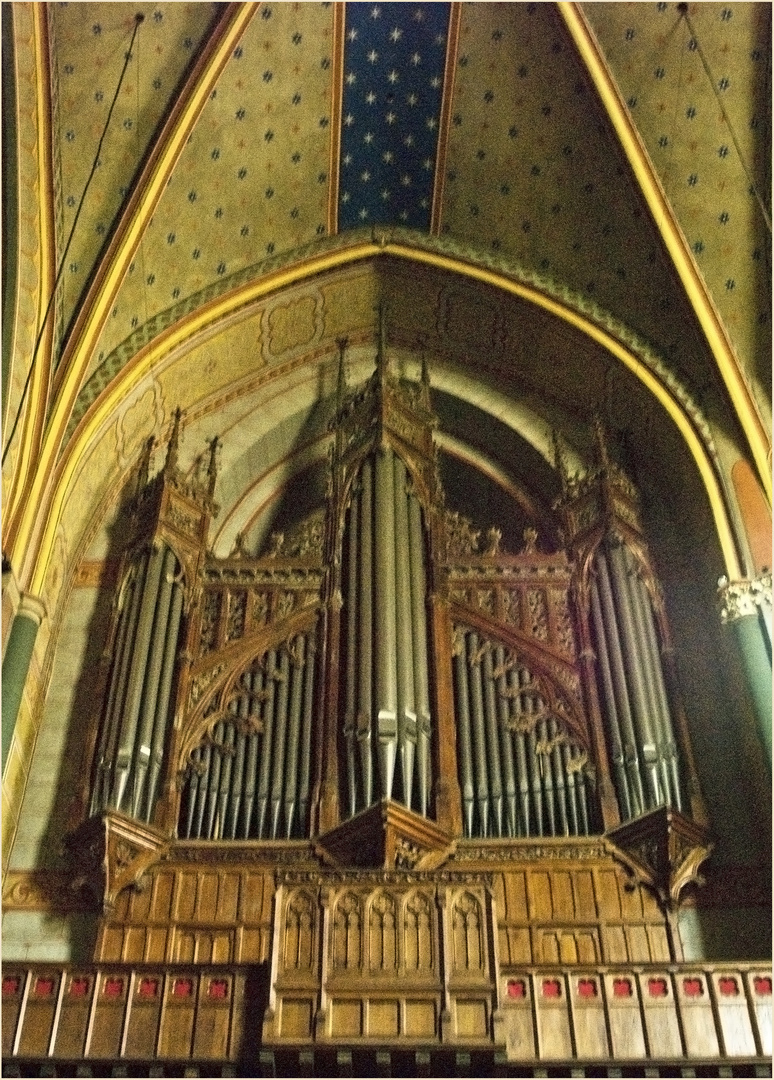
x=16 y=664
x=745 y=607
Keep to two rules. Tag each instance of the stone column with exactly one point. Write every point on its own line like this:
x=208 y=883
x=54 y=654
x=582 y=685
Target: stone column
x=746 y=608
x=16 y=662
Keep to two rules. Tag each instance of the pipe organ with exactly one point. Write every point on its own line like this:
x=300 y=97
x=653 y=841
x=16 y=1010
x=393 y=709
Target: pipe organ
x=433 y=748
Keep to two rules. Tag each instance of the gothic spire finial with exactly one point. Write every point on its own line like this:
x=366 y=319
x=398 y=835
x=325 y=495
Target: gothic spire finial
x=341 y=384
x=381 y=355
x=560 y=461
x=212 y=468
x=601 y=442
x=173 y=446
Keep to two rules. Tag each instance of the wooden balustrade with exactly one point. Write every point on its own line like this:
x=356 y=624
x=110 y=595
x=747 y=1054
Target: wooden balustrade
x=209 y=1016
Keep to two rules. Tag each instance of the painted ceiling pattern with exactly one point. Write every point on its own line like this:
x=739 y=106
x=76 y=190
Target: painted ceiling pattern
x=477 y=121
x=699 y=90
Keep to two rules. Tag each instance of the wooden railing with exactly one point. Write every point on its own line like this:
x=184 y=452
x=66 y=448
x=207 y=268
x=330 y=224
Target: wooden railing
x=612 y=1015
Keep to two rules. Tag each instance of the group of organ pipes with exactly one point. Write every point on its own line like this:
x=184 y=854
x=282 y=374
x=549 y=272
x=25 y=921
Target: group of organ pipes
x=349 y=678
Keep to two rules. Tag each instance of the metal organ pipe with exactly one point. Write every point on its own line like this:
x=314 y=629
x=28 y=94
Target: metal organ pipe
x=634 y=671
x=631 y=742
x=163 y=696
x=463 y=729
x=365 y=641
x=306 y=732
x=419 y=623
x=281 y=721
x=407 y=716
x=620 y=754
x=493 y=742
x=385 y=640
x=350 y=714
x=131 y=711
x=506 y=747
x=296 y=702
x=150 y=689
x=266 y=742
x=479 y=734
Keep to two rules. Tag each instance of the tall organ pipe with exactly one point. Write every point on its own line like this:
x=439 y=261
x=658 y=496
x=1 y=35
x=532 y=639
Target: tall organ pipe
x=103 y=775
x=201 y=791
x=493 y=742
x=296 y=702
x=479 y=734
x=124 y=669
x=621 y=755
x=636 y=790
x=238 y=779
x=162 y=702
x=466 y=757
x=633 y=663
x=521 y=752
x=350 y=716
x=131 y=712
x=251 y=762
x=306 y=733
x=213 y=782
x=663 y=712
x=281 y=721
x=385 y=621
x=365 y=639
x=407 y=716
x=150 y=689
x=226 y=769
x=267 y=742
x=419 y=622
x=506 y=746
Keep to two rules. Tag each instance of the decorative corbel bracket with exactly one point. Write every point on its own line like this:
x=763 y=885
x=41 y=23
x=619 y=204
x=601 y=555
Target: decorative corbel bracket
x=110 y=852
x=389 y=836
x=662 y=850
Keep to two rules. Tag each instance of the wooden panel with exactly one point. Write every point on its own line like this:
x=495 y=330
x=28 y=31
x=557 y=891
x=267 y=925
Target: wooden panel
x=112 y=994
x=553 y=1022
x=588 y=947
x=252 y=898
x=631 y=902
x=608 y=898
x=142 y=1027
x=185 y=947
x=134 y=944
x=39 y=1014
x=517 y=948
x=639 y=944
x=589 y=1017
x=296 y=1018
x=540 y=896
x=659 y=943
x=734 y=1017
x=471 y=1018
x=624 y=1017
x=254 y=948
x=696 y=1009
x=13 y=995
x=549 y=947
x=616 y=949
x=383 y=1018
x=346 y=1018
x=660 y=1015
x=163 y=890
x=185 y=901
x=585 y=904
x=420 y=1019
x=211 y=1037
x=111 y=946
x=221 y=948
x=228 y=897
x=517 y=1014
x=563 y=907
x=760 y=990
x=156 y=944
x=74 y=1015
x=140 y=905
x=178 y=1017
x=516 y=894
x=207 y=905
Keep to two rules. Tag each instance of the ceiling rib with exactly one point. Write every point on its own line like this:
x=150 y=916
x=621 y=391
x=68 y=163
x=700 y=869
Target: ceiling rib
x=653 y=193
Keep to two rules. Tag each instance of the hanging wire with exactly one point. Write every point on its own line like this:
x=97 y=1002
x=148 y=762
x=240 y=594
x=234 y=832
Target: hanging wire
x=683 y=9
x=139 y=18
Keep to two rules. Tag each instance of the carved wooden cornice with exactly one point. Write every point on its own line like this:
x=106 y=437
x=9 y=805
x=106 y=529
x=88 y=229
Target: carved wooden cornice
x=110 y=852
x=387 y=835
x=662 y=850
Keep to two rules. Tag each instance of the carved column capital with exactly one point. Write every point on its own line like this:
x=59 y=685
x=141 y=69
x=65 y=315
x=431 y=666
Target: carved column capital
x=744 y=597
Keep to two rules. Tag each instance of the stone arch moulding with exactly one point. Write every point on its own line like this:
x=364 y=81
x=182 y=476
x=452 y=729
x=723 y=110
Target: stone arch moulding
x=35 y=531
